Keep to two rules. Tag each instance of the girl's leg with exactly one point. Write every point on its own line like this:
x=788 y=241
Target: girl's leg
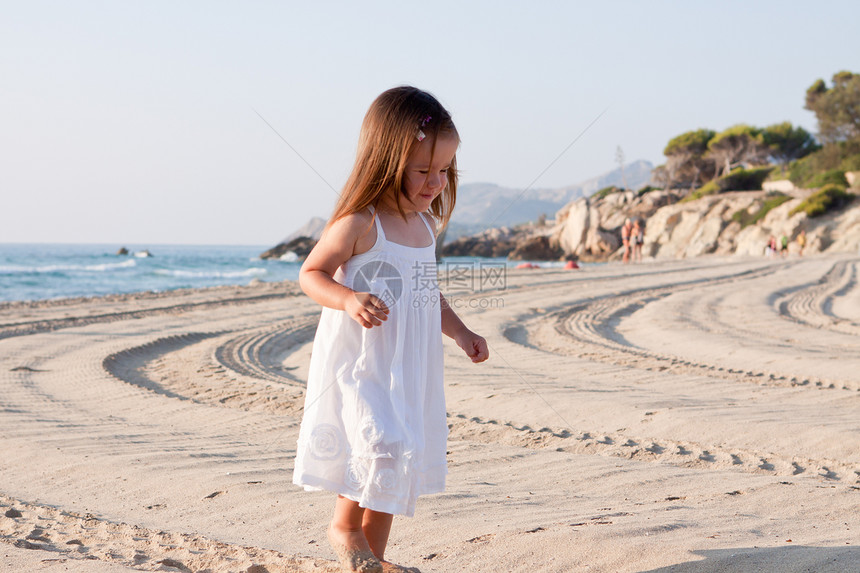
x=376 y=527
x=347 y=538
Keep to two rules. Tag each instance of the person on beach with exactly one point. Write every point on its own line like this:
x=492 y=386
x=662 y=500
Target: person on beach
x=374 y=428
x=626 y=230
x=771 y=246
x=801 y=241
x=637 y=237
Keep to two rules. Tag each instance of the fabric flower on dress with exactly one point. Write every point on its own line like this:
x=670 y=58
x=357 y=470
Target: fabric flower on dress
x=371 y=430
x=326 y=443
x=384 y=479
x=356 y=474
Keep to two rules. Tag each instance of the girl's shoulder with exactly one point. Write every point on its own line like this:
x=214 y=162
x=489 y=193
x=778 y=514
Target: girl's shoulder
x=357 y=229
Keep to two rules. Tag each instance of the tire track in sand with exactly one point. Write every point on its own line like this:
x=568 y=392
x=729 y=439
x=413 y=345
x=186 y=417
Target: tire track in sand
x=587 y=330
x=813 y=305
x=244 y=371
x=258 y=383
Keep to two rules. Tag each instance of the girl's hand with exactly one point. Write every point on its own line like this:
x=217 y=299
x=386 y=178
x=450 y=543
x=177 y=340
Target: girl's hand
x=366 y=309
x=474 y=345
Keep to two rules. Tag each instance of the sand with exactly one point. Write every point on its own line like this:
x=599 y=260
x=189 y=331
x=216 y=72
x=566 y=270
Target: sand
x=690 y=416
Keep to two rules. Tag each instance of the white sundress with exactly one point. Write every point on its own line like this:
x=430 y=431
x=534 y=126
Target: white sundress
x=374 y=427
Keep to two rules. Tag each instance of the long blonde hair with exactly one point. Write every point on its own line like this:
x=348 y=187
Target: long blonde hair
x=389 y=133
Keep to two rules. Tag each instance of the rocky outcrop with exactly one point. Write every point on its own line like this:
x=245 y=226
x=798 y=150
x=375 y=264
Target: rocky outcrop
x=524 y=242
x=537 y=248
x=590 y=228
x=710 y=225
x=498 y=242
x=292 y=251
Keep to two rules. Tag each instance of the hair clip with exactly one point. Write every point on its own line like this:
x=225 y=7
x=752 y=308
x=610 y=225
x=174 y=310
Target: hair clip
x=424 y=123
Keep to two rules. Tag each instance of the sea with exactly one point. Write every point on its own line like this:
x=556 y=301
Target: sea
x=54 y=271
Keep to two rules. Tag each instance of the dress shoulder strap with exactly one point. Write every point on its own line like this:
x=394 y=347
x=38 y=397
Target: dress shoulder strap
x=379 y=232
x=429 y=228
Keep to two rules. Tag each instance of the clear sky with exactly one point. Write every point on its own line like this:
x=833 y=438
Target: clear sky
x=136 y=121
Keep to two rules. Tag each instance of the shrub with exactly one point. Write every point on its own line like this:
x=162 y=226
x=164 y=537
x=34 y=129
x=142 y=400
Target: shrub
x=745 y=218
x=647 y=189
x=830 y=177
x=802 y=170
x=778 y=173
x=850 y=163
x=606 y=191
x=738 y=179
x=708 y=188
x=829 y=198
x=844 y=156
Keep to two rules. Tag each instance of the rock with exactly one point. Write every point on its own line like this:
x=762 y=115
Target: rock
x=783 y=185
x=575 y=224
x=848 y=239
x=144 y=254
x=300 y=246
x=704 y=240
x=122 y=251
x=751 y=241
x=491 y=243
x=540 y=248
x=728 y=239
x=599 y=243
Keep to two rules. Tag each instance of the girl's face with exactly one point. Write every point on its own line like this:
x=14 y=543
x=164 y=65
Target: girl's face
x=425 y=181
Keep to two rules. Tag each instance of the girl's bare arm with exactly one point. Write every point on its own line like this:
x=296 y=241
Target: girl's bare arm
x=474 y=345
x=334 y=248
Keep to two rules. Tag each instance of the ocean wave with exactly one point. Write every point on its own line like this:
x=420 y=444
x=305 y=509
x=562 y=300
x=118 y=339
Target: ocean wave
x=16 y=269
x=253 y=271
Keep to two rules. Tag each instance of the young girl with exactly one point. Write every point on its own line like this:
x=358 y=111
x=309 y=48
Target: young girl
x=374 y=428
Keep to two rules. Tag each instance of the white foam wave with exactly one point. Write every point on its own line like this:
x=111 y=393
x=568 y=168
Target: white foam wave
x=253 y=271
x=16 y=269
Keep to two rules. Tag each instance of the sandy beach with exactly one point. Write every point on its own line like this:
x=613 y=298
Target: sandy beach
x=687 y=416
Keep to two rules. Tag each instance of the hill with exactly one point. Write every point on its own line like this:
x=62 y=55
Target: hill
x=484 y=205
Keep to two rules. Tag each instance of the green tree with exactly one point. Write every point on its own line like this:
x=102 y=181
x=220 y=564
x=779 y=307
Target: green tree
x=785 y=143
x=837 y=108
x=739 y=145
x=686 y=163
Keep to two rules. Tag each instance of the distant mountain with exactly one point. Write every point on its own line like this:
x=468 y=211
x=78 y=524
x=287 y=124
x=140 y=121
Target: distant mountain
x=483 y=205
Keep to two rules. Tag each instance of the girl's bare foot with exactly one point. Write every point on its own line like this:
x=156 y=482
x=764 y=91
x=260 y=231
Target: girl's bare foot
x=352 y=551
